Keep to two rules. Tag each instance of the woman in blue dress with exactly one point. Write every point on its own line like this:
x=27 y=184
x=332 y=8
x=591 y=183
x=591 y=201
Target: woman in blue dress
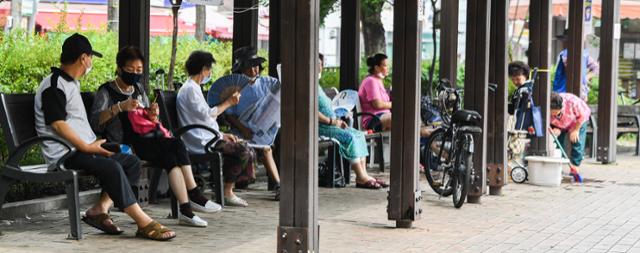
x=353 y=145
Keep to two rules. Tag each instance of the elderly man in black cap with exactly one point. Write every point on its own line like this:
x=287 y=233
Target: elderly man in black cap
x=248 y=63
x=60 y=112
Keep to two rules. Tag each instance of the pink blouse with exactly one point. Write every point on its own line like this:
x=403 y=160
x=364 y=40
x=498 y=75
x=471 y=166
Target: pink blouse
x=574 y=111
x=372 y=88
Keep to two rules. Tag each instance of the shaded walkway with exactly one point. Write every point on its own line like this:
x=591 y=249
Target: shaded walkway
x=599 y=216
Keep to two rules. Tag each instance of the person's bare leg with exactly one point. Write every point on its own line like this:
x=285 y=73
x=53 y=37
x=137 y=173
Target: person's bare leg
x=270 y=164
x=189 y=181
x=361 y=172
x=103 y=205
x=385 y=119
x=176 y=181
x=142 y=219
x=228 y=190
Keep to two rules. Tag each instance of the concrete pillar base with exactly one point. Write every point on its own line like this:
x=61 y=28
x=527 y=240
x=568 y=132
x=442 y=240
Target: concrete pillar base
x=473 y=199
x=495 y=191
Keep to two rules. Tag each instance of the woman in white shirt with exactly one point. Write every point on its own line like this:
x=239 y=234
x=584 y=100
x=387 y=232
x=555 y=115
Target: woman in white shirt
x=193 y=109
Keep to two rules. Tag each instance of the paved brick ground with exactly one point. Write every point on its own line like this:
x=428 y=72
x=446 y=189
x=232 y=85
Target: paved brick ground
x=602 y=215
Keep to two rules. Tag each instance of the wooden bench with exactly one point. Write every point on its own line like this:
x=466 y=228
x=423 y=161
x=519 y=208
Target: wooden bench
x=628 y=123
x=18 y=125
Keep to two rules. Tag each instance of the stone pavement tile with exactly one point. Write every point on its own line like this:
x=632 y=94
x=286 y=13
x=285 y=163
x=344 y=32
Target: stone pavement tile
x=526 y=218
x=620 y=248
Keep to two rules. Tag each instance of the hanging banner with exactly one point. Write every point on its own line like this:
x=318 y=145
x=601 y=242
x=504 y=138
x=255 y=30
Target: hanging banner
x=588 y=17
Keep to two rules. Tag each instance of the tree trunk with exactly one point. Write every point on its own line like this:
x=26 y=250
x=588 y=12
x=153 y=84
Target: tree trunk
x=372 y=28
x=16 y=14
x=174 y=42
x=201 y=22
x=112 y=15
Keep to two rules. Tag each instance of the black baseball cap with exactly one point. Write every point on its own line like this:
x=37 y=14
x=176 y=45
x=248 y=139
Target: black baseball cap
x=76 y=45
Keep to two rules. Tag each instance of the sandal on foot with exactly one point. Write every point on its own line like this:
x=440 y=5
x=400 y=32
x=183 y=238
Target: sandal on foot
x=277 y=194
x=371 y=184
x=98 y=223
x=382 y=183
x=154 y=231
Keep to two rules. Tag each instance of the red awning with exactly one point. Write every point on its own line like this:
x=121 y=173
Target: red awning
x=160 y=23
x=628 y=9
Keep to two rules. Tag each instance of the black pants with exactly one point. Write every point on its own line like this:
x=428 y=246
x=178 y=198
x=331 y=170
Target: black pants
x=166 y=153
x=116 y=174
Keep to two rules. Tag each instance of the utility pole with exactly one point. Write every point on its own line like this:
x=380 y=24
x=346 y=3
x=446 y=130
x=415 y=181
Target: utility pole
x=16 y=15
x=201 y=21
x=112 y=15
x=32 y=19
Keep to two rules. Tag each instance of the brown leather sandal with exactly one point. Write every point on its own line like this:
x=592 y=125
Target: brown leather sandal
x=371 y=184
x=98 y=222
x=154 y=231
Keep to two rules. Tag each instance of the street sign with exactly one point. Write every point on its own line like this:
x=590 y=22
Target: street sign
x=206 y=2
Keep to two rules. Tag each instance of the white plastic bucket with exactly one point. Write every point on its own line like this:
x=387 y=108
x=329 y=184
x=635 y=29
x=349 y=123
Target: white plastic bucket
x=545 y=171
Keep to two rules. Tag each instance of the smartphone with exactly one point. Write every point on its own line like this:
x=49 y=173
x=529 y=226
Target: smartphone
x=110 y=146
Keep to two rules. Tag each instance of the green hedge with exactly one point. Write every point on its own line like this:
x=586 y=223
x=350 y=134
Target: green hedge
x=27 y=59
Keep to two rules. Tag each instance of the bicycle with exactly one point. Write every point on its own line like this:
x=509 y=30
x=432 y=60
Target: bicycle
x=448 y=155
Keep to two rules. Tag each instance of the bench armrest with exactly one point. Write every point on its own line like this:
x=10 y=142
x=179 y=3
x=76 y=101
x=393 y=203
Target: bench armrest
x=593 y=122
x=360 y=114
x=209 y=146
x=634 y=117
x=16 y=156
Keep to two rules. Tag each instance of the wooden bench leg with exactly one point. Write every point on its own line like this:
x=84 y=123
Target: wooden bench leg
x=73 y=204
x=346 y=170
x=175 y=206
x=217 y=186
x=154 y=181
x=380 y=152
x=638 y=143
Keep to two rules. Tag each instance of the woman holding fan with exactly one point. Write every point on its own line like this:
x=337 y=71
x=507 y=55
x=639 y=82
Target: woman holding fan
x=193 y=109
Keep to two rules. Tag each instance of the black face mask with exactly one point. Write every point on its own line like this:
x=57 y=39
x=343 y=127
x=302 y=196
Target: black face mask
x=130 y=78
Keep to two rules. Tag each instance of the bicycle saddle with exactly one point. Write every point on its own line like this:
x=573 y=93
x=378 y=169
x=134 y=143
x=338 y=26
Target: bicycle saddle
x=466 y=117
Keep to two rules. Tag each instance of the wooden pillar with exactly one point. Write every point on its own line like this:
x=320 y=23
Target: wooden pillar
x=497 y=113
x=607 y=105
x=298 y=229
x=350 y=45
x=133 y=29
x=245 y=23
x=405 y=194
x=274 y=37
x=540 y=57
x=449 y=40
x=576 y=46
x=476 y=85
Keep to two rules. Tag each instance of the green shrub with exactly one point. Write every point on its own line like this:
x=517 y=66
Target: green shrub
x=27 y=59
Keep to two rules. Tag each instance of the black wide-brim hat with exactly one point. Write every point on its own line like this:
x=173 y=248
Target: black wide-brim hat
x=246 y=57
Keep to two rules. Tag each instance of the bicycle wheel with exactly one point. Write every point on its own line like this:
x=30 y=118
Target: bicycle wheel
x=463 y=168
x=434 y=159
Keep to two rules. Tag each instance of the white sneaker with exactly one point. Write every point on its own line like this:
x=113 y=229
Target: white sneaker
x=235 y=201
x=193 y=222
x=209 y=207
